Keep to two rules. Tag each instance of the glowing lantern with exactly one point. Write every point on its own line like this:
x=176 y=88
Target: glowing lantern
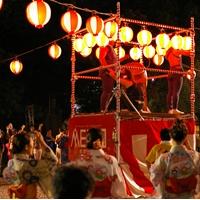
x=89 y=39
x=94 y=25
x=121 y=52
x=162 y=40
x=102 y=40
x=149 y=51
x=54 y=51
x=160 y=51
x=187 y=43
x=190 y=74
x=97 y=52
x=135 y=53
x=110 y=29
x=38 y=13
x=177 y=41
x=86 y=51
x=125 y=34
x=144 y=37
x=158 y=60
x=1 y=4
x=16 y=66
x=79 y=44
x=71 y=21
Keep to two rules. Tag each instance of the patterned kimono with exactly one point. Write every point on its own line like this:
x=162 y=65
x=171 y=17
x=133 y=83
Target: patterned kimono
x=106 y=172
x=174 y=174
x=22 y=170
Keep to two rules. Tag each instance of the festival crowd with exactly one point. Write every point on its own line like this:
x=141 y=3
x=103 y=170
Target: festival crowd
x=30 y=160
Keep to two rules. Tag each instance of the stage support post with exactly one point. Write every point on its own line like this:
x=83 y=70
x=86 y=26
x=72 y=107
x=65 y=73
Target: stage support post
x=73 y=79
x=118 y=90
x=192 y=56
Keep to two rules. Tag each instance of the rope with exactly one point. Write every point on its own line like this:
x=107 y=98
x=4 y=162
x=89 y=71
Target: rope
x=82 y=9
x=131 y=67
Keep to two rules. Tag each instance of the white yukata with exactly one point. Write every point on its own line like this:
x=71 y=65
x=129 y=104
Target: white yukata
x=174 y=174
x=105 y=170
x=22 y=170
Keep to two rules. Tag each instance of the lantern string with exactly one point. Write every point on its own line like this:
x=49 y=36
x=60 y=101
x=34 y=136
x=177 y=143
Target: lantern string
x=96 y=12
x=35 y=49
x=83 y=9
x=56 y=40
x=98 y=78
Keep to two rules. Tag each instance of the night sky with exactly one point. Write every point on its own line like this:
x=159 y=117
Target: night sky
x=42 y=77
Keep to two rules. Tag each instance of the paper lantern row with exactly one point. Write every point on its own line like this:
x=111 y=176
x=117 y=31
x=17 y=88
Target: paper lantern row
x=38 y=13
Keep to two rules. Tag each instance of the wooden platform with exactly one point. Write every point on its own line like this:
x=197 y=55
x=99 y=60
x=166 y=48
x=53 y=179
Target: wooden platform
x=126 y=114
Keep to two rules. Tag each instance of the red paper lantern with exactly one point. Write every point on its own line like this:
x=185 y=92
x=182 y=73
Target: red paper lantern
x=1 y=4
x=110 y=29
x=16 y=66
x=38 y=13
x=54 y=51
x=71 y=21
x=158 y=60
x=190 y=74
x=97 y=52
x=94 y=25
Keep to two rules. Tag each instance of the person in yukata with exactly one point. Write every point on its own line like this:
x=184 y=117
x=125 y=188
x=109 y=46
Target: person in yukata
x=175 y=173
x=105 y=169
x=109 y=181
x=24 y=172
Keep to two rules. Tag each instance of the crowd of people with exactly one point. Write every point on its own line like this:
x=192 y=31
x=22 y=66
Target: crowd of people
x=34 y=160
x=29 y=156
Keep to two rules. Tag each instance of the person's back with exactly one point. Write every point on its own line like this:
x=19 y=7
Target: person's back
x=103 y=167
x=24 y=171
x=179 y=171
x=109 y=181
x=107 y=55
x=62 y=146
x=158 y=149
x=174 y=57
x=180 y=165
x=174 y=173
